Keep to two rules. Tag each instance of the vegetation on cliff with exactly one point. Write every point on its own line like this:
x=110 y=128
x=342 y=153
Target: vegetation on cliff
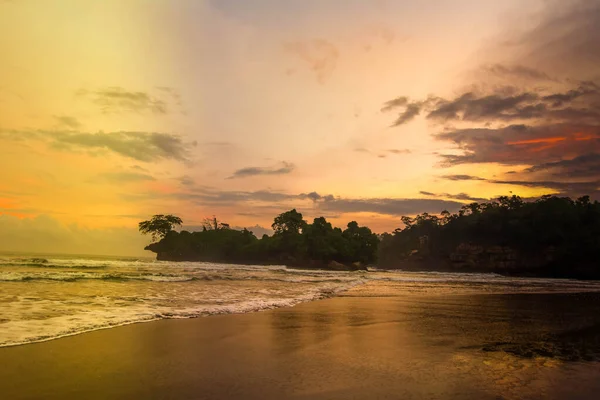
x=552 y=236
x=294 y=242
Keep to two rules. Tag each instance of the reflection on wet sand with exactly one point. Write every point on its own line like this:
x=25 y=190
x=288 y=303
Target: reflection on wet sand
x=464 y=346
x=362 y=345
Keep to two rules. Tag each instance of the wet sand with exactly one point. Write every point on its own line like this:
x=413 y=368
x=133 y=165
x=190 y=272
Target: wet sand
x=510 y=346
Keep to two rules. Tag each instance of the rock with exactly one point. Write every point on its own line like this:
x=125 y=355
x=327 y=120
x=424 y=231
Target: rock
x=336 y=266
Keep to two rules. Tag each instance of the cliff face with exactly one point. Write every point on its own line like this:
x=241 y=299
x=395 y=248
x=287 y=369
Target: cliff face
x=496 y=258
x=467 y=257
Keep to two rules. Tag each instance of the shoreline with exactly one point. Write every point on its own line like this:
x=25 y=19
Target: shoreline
x=367 y=347
x=340 y=292
x=296 y=302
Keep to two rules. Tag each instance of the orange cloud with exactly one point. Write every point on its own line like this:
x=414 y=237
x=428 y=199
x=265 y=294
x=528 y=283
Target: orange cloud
x=539 y=140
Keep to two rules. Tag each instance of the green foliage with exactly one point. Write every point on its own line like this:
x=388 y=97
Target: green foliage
x=159 y=226
x=566 y=231
x=563 y=233
x=290 y=222
x=294 y=241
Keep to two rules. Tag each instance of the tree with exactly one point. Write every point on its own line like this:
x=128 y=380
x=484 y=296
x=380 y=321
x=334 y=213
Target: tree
x=288 y=222
x=212 y=224
x=362 y=243
x=159 y=226
x=319 y=237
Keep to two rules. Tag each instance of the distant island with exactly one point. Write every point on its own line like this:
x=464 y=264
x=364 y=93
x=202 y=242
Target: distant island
x=551 y=237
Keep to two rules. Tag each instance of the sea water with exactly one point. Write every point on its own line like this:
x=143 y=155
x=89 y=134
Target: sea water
x=47 y=297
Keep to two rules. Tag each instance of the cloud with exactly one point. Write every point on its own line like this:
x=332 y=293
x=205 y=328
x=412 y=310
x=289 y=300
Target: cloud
x=116 y=100
x=69 y=122
x=394 y=103
x=586 y=165
x=274 y=202
x=186 y=180
x=123 y=177
x=399 y=151
x=567 y=188
x=564 y=40
x=509 y=104
x=387 y=206
x=382 y=155
x=410 y=109
x=462 y=178
x=141 y=146
x=286 y=168
x=214 y=197
x=516 y=71
x=459 y=196
x=570 y=188
x=542 y=109
x=521 y=144
x=320 y=55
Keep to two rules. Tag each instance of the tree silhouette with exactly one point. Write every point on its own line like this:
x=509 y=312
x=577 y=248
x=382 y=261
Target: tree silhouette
x=159 y=225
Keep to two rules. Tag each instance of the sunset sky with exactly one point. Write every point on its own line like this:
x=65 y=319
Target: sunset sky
x=114 y=110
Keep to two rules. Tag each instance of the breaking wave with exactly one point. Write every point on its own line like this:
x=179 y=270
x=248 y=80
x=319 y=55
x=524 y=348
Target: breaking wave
x=52 y=297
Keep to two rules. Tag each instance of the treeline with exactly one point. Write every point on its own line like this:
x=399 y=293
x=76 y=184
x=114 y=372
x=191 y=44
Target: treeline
x=552 y=236
x=294 y=242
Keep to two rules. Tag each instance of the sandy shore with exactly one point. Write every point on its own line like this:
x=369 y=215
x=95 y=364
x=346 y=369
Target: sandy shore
x=400 y=347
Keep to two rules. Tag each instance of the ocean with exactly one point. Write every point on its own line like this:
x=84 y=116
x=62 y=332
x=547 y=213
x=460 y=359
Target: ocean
x=43 y=297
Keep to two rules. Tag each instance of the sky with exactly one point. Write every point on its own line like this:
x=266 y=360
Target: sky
x=112 y=111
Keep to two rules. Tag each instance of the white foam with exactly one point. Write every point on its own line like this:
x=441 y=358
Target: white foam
x=47 y=299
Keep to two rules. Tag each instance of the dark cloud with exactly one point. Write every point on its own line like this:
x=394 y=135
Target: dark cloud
x=314 y=196
x=462 y=178
x=586 y=165
x=562 y=187
x=521 y=144
x=459 y=196
x=116 y=99
x=541 y=110
x=265 y=202
x=410 y=109
x=285 y=168
x=395 y=103
x=507 y=104
x=141 y=146
x=386 y=206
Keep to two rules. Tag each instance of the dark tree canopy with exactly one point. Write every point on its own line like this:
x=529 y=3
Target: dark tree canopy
x=288 y=222
x=294 y=242
x=159 y=225
x=554 y=236
x=551 y=236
